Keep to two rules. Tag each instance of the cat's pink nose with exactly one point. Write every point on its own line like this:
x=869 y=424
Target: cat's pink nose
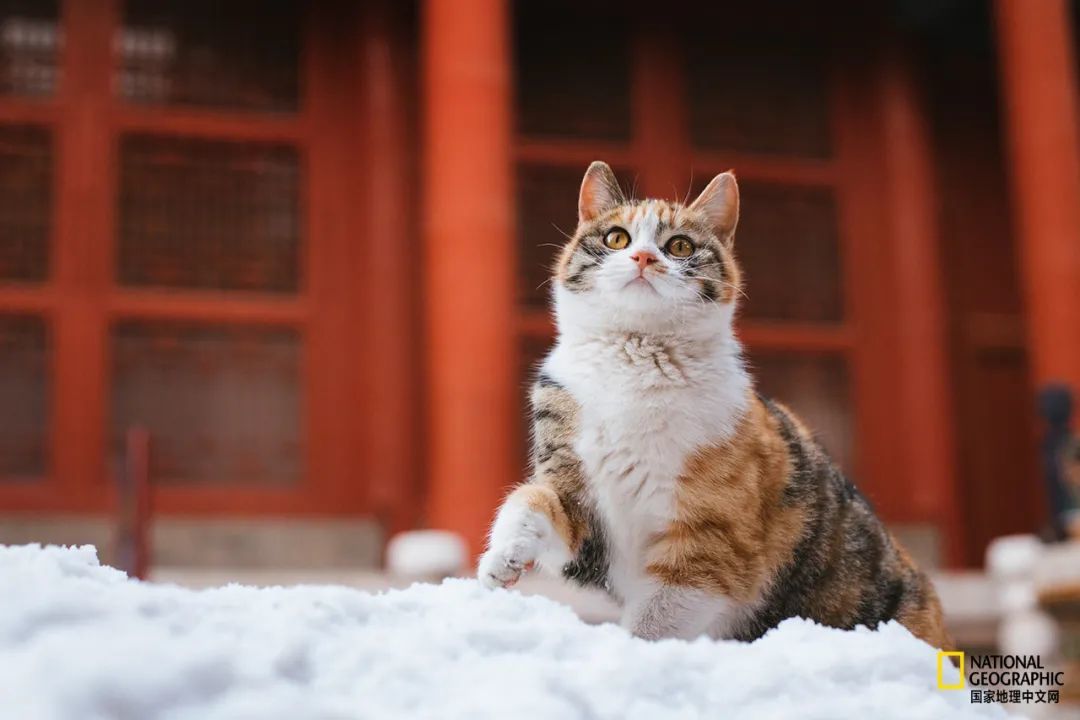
x=643 y=258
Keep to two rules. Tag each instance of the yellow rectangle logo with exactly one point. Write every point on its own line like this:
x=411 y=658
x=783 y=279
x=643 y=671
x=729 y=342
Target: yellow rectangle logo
x=942 y=654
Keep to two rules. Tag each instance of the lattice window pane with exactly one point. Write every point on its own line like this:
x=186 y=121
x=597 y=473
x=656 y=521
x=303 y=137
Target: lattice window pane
x=222 y=404
x=788 y=245
x=240 y=54
x=547 y=213
x=816 y=388
x=25 y=203
x=572 y=80
x=210 y=215
x=24 y=397
x=758 y=95
x=29 y=44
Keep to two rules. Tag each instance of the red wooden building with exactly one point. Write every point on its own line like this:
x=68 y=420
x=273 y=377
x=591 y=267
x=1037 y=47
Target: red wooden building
x=304 y=243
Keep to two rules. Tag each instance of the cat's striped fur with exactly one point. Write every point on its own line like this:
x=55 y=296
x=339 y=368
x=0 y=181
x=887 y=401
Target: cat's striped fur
x=660 y=475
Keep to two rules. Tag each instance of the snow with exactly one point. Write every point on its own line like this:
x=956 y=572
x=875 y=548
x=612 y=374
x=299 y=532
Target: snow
x=1014 y=556
x=78 y=640
x=426 y=554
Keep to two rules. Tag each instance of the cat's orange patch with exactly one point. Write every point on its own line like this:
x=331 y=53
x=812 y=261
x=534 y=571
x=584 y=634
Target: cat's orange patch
x=543 y=499
x=731 y=530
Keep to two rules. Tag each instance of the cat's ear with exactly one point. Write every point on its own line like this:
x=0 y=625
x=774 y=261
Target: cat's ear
x=600 y=192
x=719 y=201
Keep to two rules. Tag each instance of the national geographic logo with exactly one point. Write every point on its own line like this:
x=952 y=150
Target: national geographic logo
x=1000 y=678
x=943 y=660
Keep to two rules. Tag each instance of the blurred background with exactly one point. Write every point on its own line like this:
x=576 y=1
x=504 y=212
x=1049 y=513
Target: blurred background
x=272 y=274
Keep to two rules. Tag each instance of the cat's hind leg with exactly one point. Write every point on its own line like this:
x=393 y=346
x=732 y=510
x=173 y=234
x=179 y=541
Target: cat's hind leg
x=669 y=611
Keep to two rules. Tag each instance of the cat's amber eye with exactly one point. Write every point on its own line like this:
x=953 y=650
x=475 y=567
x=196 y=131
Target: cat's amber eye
x=617 y=238
x=679 y=246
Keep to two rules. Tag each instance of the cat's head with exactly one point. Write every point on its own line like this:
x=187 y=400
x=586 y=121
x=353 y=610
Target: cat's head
x=649 y=265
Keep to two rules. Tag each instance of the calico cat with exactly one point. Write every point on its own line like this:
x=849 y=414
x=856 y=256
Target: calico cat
x=659 y=474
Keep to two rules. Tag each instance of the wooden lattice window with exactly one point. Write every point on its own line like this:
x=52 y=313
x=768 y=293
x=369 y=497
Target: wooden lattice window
x=29 y=44
x=24 y=397
x=29 y=73
x=175 y=252
x=218 y=214
x=582 y=89
x=26 y=160
x=209 y=214
x=757 y=92
x=223 y=404
x=789 y=247
x=237 y=55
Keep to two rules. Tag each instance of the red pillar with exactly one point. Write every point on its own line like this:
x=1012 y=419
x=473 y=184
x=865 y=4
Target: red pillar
x=387 y=183
x=1039 y=86
x=925 y=408
x=85 y=210
x=469 y=263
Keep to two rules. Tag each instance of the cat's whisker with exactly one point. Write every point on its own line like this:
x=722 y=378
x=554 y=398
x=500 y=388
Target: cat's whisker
x=703 y=298
x=722 y=282
x=736 y=288
x=562 y=232
x=550 y=279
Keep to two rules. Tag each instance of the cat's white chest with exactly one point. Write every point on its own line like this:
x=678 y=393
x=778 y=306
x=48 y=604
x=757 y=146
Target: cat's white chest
x=645 y=408
x=632 y=466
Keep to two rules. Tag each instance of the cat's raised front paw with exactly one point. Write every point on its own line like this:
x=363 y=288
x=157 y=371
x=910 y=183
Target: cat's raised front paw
x=503 y=567
x=519 y=537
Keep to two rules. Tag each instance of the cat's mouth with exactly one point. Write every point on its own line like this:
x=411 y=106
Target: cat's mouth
x=641 y=282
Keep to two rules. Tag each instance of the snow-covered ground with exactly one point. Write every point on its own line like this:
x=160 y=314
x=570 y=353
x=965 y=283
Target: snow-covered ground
x=79 y=641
